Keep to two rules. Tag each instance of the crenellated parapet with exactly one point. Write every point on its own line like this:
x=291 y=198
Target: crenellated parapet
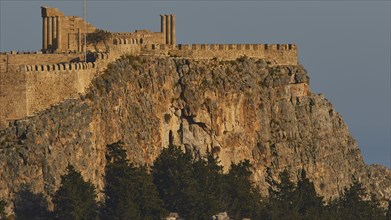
x=60 y=67
x=283 y=54
x=101 y=56
x=237 y=47
x=21 y=52
x=47 y=79
x=119 y=41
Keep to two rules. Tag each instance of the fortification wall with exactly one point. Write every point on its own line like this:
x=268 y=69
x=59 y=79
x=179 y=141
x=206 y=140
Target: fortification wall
x=141 y=37
x=283 y=54
x=26 y=89
x=50 y=84
x=13 y=103
x=12 y=61
x=47 y=79
x=127 y=41
x=118 y=50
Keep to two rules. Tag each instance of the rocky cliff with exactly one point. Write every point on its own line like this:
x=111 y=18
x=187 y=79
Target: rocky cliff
x=243 y=109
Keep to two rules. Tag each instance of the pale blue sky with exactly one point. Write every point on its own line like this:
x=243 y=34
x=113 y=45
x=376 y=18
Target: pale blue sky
x=345 y=46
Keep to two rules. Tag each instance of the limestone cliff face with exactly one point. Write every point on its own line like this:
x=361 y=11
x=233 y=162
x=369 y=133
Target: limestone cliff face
x=244 y=109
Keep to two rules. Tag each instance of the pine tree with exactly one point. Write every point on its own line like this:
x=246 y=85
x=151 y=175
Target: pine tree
x=129 y=190
x=174 y=178
x=29 y=205
x=306 y=203
x=282 y=198
x=243 y=198
x=209 y=176
x=119 y=202
x=151 y=206
x=351 y=204
x=3 y=214
x=75 y=199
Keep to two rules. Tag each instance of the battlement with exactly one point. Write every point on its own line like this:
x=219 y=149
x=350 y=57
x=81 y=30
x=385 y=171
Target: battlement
x=22 y=52
x=118 y=41
x=59 y=67
x=234 y=47
x=37 y=52
x=282 y=54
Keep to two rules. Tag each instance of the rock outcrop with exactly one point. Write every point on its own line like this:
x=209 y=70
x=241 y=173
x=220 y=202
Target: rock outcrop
x=243 y=109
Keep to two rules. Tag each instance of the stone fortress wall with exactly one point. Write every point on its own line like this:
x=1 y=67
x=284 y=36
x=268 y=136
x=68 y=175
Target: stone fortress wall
x=33 y=81
x=47 y=85
x=14 y=80
x=282 y=54
x=27 y=89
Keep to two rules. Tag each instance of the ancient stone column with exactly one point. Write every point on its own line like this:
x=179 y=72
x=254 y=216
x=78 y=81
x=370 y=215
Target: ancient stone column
x=50 y=32
x=44 y=33
x=78 y=40
x=163 y=26
x=54 y=29
x=58 y=33
x=168 y=29
x=173 y=37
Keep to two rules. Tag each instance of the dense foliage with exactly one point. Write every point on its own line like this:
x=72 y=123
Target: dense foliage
x=196 y=188
x=99 y=36
x=3 y=214
x=129 y=190
x=75 y=199
x=30 y=206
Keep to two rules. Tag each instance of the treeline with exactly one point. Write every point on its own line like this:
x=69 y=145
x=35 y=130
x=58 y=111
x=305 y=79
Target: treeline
x=194 y=188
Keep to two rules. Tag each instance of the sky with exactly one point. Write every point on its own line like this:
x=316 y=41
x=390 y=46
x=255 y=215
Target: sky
x=344 y=45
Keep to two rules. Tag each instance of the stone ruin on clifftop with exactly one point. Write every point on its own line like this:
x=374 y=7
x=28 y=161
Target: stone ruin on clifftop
x=34 y=81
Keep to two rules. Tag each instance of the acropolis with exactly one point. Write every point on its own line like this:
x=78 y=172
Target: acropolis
x=65 y=67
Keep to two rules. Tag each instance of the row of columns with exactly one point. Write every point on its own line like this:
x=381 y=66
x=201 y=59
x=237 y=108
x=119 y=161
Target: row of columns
x=168 y=28
x=51 y=35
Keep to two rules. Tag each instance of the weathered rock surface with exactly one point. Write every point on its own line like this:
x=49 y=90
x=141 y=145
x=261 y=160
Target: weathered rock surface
x=244 y=109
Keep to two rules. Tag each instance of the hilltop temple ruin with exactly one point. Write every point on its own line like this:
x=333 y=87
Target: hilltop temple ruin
x=33 y=81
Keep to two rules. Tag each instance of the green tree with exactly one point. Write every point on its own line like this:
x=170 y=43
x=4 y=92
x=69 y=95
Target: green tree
x=306 y=203
x=75 y=199
x=99 y=36
x=282 y=198
x=193 y=187
x=243 y=199
x=3 y=214
x=210 y=180
x=351 y=204
x=129 y=190
x=29 y=205
x=119 y=202
x=174 y=178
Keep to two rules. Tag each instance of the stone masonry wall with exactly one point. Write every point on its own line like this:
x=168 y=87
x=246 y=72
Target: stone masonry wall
x=282 y=54
x=10 y=62
x=13 y=81
x=142 y=37
x=48 y=87
x=12 y=95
